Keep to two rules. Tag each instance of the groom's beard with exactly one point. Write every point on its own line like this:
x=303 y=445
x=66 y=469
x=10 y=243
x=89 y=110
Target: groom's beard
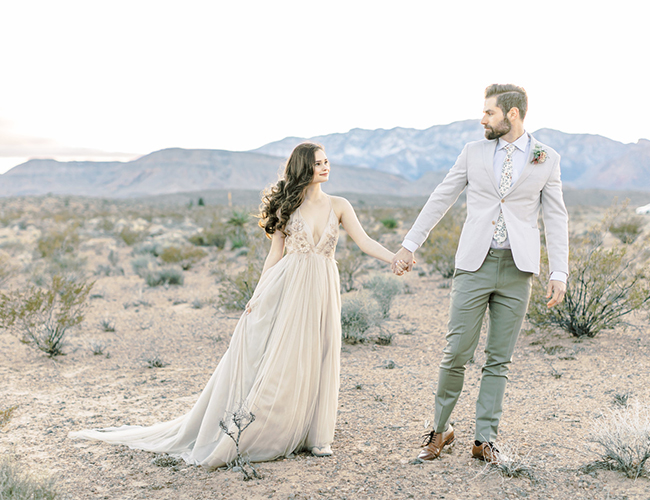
x=499 y=130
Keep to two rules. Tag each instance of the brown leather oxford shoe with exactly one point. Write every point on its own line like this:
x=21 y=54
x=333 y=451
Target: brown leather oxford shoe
x=485 y=451
x=435 y=442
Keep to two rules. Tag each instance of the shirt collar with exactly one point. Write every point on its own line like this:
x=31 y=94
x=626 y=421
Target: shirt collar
x=521 y=144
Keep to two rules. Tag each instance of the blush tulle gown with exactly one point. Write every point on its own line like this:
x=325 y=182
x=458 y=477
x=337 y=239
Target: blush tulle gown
x=282 y=364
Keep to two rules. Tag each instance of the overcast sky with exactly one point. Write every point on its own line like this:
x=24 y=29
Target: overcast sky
x=116 y=79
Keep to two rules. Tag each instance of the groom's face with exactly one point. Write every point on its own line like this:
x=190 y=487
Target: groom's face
x=494 y=121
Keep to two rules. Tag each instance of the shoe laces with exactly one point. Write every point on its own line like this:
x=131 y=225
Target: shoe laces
x=428 y=438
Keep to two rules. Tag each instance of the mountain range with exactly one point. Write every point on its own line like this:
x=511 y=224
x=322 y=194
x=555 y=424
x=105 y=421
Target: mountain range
x=400 y=161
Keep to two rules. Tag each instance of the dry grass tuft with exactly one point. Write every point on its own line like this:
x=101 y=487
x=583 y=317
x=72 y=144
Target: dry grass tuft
x=622 y=440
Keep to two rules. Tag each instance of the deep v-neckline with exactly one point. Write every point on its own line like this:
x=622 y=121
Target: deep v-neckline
x=311 y=233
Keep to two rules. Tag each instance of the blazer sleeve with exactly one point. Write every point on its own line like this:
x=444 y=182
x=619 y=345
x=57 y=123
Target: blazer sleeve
x=556 y=222
x=442 y=198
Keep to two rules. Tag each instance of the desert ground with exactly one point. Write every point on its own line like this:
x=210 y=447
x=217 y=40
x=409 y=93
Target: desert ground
x=143 y=354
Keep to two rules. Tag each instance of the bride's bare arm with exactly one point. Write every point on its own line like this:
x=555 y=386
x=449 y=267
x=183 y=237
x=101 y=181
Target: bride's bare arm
x=353 y=227
x=276 y=251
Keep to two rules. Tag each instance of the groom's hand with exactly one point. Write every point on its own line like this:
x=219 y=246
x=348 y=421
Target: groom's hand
x=402 y=261
x=555 y=291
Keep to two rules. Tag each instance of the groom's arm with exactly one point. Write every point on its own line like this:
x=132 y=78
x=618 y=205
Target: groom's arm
x=442 y=198
x=556 y=225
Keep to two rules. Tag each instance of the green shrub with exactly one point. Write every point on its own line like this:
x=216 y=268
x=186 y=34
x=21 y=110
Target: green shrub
x=164 y=276
x=131 y=236
x=186 y=256
x=605 y=284
x=384 y=288
x=57 y=242
x=439 y=250
x=42 y=317
x=389 y=223
x=105 y=225
x=628 y=229
x=15 y=485
x=208 y=238
x=359 y=313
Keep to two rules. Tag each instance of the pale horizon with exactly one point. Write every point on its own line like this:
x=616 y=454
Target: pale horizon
x=98 y=81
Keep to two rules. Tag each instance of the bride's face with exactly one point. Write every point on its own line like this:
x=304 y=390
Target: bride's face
x=321 y=167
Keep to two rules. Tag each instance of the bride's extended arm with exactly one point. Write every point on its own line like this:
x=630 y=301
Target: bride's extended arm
x=353 y=227
x=276 y=251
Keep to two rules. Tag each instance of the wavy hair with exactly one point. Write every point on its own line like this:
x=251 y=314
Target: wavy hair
x=283 y=198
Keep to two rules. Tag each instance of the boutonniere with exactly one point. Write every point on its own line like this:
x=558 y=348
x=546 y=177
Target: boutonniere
x=539 y=155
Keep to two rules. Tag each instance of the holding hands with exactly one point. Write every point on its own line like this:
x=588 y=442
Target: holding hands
x=402 y=262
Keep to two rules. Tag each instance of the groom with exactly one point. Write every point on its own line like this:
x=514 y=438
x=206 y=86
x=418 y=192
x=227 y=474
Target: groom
x=508 y=178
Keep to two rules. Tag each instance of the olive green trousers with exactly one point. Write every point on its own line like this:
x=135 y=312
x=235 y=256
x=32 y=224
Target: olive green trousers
x=505 y=290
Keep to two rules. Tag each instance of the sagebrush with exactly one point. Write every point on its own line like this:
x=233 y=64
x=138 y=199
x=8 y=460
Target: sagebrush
x=359 y=313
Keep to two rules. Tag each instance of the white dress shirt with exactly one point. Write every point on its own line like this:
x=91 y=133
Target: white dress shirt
x=519 y=157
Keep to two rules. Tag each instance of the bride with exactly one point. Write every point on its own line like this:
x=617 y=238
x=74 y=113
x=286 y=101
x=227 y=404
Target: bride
x=282 y=363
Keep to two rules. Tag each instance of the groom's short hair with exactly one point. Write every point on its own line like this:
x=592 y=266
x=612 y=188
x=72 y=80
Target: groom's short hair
x=509 y=96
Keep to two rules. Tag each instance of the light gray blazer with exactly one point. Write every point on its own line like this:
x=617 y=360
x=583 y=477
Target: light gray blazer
x=539 y=185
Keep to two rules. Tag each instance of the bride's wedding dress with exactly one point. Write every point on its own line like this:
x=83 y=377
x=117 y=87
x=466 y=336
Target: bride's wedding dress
x=282 y=364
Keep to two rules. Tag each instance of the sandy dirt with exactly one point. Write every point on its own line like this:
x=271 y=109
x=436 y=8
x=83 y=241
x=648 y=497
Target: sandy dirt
x=558 y=388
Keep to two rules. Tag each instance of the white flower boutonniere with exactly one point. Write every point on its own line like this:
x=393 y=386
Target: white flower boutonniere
x=539 y=155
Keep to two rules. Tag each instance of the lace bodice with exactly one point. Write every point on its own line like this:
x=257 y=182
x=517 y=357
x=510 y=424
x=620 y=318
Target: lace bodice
x=300 y=240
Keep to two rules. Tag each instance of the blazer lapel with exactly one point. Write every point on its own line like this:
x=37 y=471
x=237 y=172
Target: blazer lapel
x=528 y=168
x=488 y=161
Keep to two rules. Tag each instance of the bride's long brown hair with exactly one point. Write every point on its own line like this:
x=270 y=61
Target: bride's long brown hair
x=283 y=198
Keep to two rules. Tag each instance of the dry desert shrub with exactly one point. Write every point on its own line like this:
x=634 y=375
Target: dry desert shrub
x=153 y=360
x=350 y=261
x=233 y=425
x=58 y=242
x=186 y=256
x=131 y=236
x=7 y=269
x=107 y=325
x=384 y=289
x=142 y=264
x=625 y=226
x=509 y=463
x=97 y=347
x=168 y=275
x=238 y=290
x=621 y=439
x=113 y=268
x=17 y=485
x=216 y=234
x=605 y=285
x=41 y=317
x=359 y=313
x=439 y=250
x=5 y=416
